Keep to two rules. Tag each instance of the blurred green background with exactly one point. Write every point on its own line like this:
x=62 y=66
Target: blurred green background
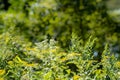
x=37 y=20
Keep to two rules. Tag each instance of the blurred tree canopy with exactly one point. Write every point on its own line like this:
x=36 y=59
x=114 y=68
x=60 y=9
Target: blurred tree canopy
x=40 y=19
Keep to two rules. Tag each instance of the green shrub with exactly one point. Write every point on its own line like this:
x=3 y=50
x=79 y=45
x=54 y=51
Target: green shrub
x=47 y=61
x=28 y=50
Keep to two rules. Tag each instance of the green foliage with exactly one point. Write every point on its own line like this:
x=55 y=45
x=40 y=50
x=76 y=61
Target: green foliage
x=36 y=41
x=41 y=19
x=47 y=61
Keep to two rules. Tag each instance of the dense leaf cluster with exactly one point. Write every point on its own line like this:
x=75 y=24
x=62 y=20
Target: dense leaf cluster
x=48 y=40
x=47 y=61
